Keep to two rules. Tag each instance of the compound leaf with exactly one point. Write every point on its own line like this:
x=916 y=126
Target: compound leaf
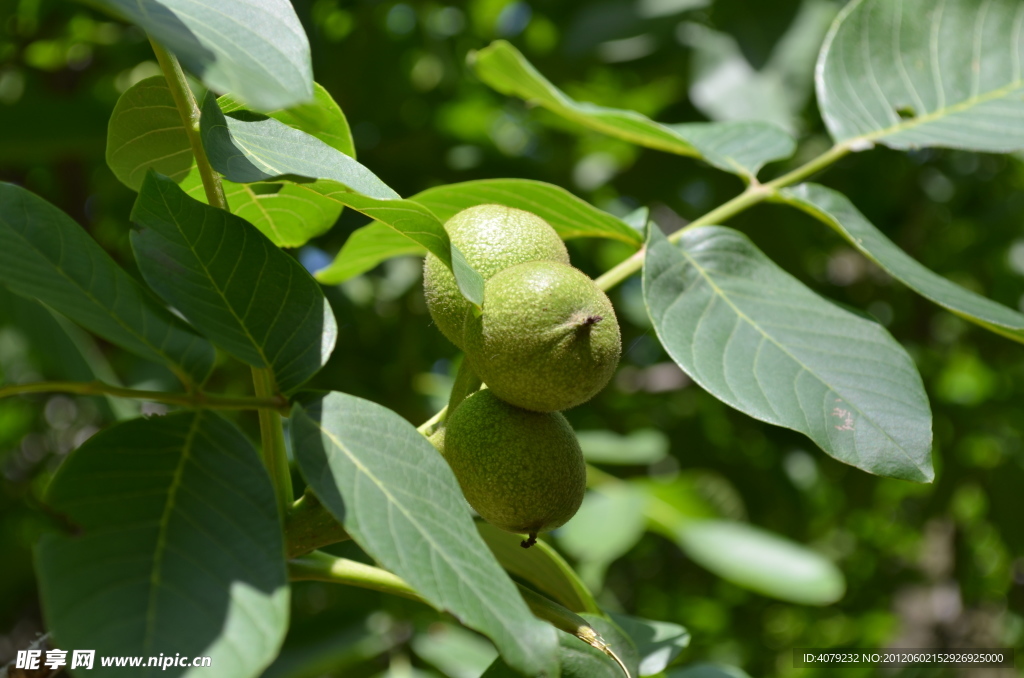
x=738 y=147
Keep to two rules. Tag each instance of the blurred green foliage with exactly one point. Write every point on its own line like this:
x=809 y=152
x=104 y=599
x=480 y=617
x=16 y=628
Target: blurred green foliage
x=927 y=566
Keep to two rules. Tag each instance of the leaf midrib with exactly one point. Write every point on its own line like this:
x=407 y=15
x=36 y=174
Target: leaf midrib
x=721 y=294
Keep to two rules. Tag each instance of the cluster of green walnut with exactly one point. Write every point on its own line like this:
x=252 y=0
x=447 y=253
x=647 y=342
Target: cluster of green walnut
x=545 y=339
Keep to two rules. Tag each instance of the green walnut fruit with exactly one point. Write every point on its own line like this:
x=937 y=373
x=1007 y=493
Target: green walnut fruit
x=547 y=339
x=491 y=238
x=522 y=471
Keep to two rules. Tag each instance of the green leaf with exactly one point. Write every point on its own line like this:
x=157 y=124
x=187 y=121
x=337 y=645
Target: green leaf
x=454 y=650
x=741 y=148
x=47 y=256
x=757 y=339
x=400 y=502
x=836 y=210
x=541 y=566
x=364 y=249
x=761 y=561
x=580 y=660
x=145 y=132
x=643 y=446
x=177 y=548
x=608 y=524
x=567 y=214
x=657 y=642
x=925 y=73
x=253 y=300
x=255 y=49
x=250 y=148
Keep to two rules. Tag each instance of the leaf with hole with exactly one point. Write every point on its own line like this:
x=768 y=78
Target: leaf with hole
x=836 y=210
x=399 y=501
x=924 y=73
x=757 y=339
x=177 y=548
x=256 y=49
x=253 y=300
x=45 y=255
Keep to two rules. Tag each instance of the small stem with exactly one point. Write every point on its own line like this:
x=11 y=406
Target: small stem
x=427 y=427
x=753 y=194
x=189 y=110
x=319 y=566
x=196 y=400
x=275 y=454
x=309 y=526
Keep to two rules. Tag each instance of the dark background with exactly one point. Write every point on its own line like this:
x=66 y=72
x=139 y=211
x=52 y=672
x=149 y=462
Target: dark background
x=931 y=566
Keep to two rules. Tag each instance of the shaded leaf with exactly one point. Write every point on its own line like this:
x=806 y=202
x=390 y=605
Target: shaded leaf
x=741 y=148
x=580 y=660
x=836 y=210
x=399 y=501
x=256 y=49
x=458 y=653
x=178 y=548
x=757 y=339
x=657 y=642
x=252 y=148
x=924 y=73
x=249 y=297
x=45 y=255
x=539 y=565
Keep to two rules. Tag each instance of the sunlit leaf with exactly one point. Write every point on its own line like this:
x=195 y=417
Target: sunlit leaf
x=256 y=49
x=364 y=249
x=145 y=132
x=47 y=256
x=757 y=339
x=249 y=148
x=400 y=502
x=738 y=147
x=761 y=561
x=174 y=519
x=231 y=282
x=836 y=210
x=643 y=446
x=925 y=73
